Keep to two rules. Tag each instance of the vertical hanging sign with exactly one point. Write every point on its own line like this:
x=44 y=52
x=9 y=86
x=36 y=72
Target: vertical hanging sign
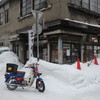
x=30 y=43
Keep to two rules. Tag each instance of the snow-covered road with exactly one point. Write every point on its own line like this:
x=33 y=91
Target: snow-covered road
x=62 y=82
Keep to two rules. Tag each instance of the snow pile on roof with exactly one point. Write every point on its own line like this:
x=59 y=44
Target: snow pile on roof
x=94 y=25
x=8 y=57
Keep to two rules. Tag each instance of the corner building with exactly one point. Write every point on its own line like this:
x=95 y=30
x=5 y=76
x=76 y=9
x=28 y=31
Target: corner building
x=71 y=29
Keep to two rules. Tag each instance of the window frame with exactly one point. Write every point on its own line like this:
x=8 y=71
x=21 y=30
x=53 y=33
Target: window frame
x=92 y=5
x=41 y=4
x=25 y=7
x=6 y=15
x=84 y=3
x=1 y=18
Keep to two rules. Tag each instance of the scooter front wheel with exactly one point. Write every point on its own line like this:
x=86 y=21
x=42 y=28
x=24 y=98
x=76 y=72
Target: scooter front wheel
x=40 y=86
x=11 y=86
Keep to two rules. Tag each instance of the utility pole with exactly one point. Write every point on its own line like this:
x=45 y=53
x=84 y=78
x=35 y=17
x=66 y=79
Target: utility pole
x=37 y=29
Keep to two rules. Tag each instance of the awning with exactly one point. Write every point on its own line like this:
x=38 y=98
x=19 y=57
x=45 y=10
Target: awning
x=14 y=37
x=71 y=26
x=59 y=31
x=10 y=37
x=84 y=23
x=24 y=31
x=85 y=27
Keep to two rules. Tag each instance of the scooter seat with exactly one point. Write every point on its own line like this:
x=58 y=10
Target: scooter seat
x=20 y=72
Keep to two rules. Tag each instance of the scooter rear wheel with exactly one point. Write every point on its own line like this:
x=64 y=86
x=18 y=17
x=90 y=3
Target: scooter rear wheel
x=40 y=86
x=10 y=86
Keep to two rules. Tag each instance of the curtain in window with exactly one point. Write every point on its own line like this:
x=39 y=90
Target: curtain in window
x=94 y=5
x=77 y=2
x=39 y=4
x=85 y=4
x=99 y=6
x=26 y=7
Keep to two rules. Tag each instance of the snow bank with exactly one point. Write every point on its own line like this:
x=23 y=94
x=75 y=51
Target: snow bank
x=8 y=57
x=69 y=74
x=61 y=81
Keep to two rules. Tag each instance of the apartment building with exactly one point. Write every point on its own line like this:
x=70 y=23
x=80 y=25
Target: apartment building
x=71 y=28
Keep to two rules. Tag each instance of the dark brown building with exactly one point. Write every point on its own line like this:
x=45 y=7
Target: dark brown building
x=71 y=28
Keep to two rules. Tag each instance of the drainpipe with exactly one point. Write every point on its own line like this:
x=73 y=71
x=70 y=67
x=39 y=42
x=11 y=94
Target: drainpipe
x=48 y=48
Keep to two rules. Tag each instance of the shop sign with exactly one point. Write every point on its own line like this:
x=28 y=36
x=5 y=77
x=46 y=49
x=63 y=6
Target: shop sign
x=30 y=43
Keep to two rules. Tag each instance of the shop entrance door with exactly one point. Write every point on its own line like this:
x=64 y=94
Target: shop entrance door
x=71 y=52
x=76 y=52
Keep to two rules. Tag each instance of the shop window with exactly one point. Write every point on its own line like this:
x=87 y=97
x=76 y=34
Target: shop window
x=89 y=52
x=76 y=52
x=45 y=56
x=93 y=38
x=71 y=52
x=43 y=51
x=97 y=51
x=54 y=52
x=66 y=53
x=84 y=53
